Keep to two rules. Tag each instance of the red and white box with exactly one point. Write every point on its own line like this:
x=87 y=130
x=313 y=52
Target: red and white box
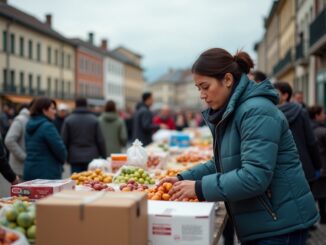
x=39 y=188
x=182 y=223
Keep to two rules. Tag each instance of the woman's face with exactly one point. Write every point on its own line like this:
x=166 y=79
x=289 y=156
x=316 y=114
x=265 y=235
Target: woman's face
x=213 y=91
x=50 y=112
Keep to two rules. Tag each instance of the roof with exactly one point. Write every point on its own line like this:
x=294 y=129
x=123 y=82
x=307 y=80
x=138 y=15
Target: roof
x=173 y=76
x=121 y=57
x=88 y=45
x=130 y=51
x=271 y=13
x=30 y=21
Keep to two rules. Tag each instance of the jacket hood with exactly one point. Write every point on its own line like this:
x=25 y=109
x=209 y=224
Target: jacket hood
x=34 y=123
x=246 y=90
x=291 y=111
x=24 y=112
x=110 y=116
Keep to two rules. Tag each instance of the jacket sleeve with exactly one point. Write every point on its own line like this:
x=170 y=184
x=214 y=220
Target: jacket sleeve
x=260 y=135
x=197 y=172
x=5 y=168
x=100 y=142
x=311 y=142
x=11 y=141
x=123 y=133
x=146 y=122
x=65 y=133
x=55 y=142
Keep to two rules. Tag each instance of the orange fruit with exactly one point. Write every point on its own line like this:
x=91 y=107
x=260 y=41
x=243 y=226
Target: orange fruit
x=167 y=186
x=156 y=197
x=166 y=197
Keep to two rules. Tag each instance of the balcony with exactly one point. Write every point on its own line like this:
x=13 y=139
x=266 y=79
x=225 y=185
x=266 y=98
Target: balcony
x=318 y=34
x=283 y=64
x=300 y=54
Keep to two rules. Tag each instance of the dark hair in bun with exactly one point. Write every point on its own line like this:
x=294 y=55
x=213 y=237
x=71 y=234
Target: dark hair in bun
x=216 y=62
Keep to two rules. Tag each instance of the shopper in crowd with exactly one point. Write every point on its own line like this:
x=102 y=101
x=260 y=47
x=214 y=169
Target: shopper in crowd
x=5 y=168
x=113 y=128
x=302 y=132
x=164 y=118
x=144 y=127
x=256 y=170
x=258 y=76
x=180 y=121
x=128 y=118
x=298 y=98
x=15 y=139
x=191 y=119
x=62 y=113
x=317 y=116
x=45 y=151
x=82 y=135
x=4 y=120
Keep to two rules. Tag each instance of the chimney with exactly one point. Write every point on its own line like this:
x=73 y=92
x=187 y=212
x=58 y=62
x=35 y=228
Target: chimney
x=91 y=37
x=4 y=1
x=104 y=44
x=48 y=19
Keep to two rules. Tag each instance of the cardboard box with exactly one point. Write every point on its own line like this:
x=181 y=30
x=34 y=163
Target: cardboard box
x=182 y=223
x=86 y=218
x=39 y=188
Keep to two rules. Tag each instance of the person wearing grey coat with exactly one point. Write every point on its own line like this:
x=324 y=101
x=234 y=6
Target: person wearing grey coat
x=15 y=141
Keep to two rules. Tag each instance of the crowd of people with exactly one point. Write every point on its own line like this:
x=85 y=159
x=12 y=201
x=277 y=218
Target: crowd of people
x=270 y=147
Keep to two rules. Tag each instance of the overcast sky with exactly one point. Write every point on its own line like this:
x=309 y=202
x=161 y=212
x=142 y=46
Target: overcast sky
x=168 y=33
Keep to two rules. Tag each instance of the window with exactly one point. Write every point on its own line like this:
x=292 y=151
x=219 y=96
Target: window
x=21 y=46
x=30 y=49
x=49 y=85
x=5 y=79
x=56 y=85
x=12 y=43
x=62 y=87
x=69 y=61
x=38 y=50
x=12 y=81
x=49 y=54
x=62 y=59
x=4 y=41
x=38 y=84
x=69 y=87
x=22 y=82
x=30 y=83
x=56 y=57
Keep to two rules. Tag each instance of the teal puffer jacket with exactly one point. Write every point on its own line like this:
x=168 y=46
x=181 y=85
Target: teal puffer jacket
x=261 y=177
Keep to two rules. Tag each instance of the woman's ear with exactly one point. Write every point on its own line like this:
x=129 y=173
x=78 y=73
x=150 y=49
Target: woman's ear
x=228 y=80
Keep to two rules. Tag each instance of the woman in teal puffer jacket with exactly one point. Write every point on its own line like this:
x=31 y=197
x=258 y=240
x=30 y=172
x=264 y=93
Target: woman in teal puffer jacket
x=256 y=169
x=45 y=150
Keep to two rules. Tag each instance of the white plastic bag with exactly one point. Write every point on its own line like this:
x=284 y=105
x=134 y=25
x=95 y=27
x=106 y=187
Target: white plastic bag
x=137 y=155
x=102 y=164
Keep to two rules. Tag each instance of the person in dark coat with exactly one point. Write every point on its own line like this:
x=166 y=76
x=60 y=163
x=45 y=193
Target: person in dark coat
x=61 y=115
x=45 y=151
x=82 y=135
x=143 y=126
x=317 y=116
x=5 y=168
x=302 y=132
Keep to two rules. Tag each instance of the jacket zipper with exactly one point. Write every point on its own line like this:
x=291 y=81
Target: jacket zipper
x=222 y=170
x=268 y=209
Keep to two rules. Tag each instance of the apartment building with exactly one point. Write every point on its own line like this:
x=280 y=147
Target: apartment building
x=35 y=60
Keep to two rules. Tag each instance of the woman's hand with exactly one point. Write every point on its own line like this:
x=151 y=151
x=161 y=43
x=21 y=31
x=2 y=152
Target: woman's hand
x=171 y=180
x=183 y=189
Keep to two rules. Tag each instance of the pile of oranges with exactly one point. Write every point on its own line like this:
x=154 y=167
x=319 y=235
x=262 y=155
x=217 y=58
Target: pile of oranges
x=87 y=176
x=169 y=173
x=161 y=193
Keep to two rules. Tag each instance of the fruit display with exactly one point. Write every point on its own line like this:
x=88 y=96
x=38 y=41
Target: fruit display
x=11 y=200
x=132 y=185
x=139 y=175
x=7 y=237
x=161 y=193
x=96 y=175
x=171 y=172
x=97 y=185
x=153 y=161
x=157 y=160
x=20 y=216
x=193 y=157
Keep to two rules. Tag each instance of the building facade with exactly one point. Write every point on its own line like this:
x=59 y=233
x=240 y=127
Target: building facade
x=89 y=71
x=134 y=83
x=35 y=60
